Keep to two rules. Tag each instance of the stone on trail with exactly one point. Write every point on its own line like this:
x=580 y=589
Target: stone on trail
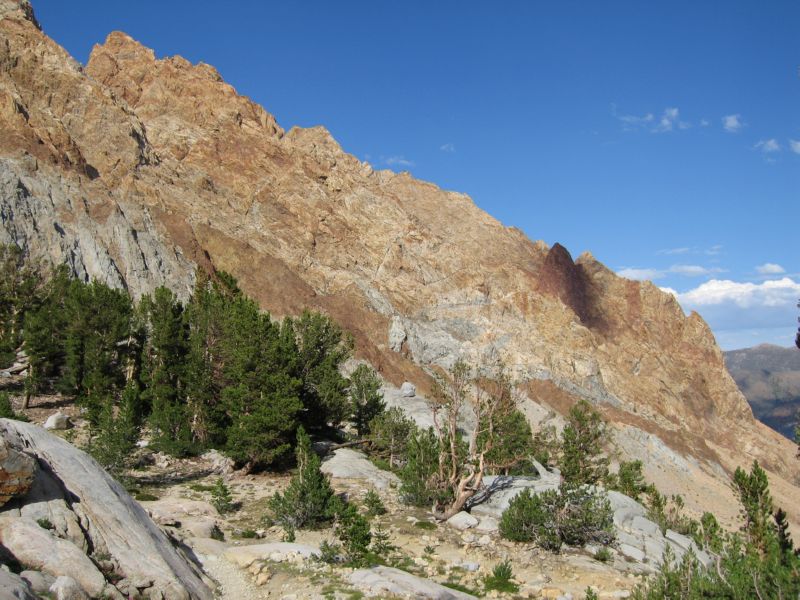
x=380 y=581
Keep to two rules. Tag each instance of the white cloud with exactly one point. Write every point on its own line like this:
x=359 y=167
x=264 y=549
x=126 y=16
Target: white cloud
x=744 y=313
x=448 y=147
x=770 y=269
x=668 y=251
x=640 y=274
x=693 y=270
x=794 y=145
x=668 y=120
x=398 y=161
x=732 y=123
x=704 y=122
x=714 y=250
x=717 y=292
x=653 y=274
x=768 y=146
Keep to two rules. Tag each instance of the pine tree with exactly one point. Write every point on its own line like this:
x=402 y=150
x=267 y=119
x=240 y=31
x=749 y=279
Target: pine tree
x=19 y=287
x=164 y=363
x=308 y=501
x=753 y=491
x=44 y=335
x=390 y=433
x=117 y=430
x=582 y=461
x=322 y=348
x=365 y=397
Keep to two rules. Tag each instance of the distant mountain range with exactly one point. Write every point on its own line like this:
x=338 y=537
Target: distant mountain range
x=769 y=377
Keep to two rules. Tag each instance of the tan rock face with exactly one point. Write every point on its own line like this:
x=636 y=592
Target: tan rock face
x=135 y=170
x=17 y=472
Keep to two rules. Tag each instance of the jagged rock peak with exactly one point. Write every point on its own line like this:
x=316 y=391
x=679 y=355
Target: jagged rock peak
x=20 y=9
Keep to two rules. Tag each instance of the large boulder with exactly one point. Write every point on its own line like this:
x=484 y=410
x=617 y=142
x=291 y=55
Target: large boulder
x=501 y=490
x=382 y=581
x=346 y=463
x=17 y=472
x=113 y=523
x=13 y=587
x=57 y=421
x=244 y=556
x=36 y=547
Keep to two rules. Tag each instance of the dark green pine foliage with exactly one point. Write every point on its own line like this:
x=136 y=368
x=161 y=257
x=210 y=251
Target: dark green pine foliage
x=322 y=348
x=511 y=456
x=19 y=285
x=97 y=344
x=259 y=393
x=758 y=563
x=203 y=319
x=753 y=491
x=366 y=400
x=117 y=430
x=582 y=459
x=308 y=502
x=163 y=366
x=44 y=334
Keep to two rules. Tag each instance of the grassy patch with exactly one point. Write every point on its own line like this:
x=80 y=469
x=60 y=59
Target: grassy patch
x=426 y=525
x=146 y=497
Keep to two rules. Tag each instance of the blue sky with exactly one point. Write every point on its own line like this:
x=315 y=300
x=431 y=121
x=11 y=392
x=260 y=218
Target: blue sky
x=663 y=138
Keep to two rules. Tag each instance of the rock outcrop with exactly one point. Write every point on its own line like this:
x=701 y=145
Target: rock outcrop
x=17 y=472
x=93 y=521
x=136 y=171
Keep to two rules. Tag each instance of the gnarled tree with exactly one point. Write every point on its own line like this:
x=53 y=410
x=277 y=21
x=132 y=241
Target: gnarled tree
x=462 y=463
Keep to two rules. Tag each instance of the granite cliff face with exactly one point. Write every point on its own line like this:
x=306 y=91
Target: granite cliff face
x=136 y=170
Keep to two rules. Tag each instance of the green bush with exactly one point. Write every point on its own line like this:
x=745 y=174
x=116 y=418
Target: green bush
x=629 y=480
x=7 y=410
x=308 y=501
x=221 y=497
x=45 y=523
x=374 y=504
x=366 y=399
x=353 y=531
x=390 y=432
x=759 y=562
x=501 y=579
x=572 y=515
x=582 y=459
x=146 y=497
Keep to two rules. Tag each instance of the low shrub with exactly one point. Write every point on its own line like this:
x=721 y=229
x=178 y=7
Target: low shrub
x=572 y=515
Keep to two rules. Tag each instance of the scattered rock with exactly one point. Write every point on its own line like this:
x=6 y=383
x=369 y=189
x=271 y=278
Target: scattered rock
x=462 y=521
x=13 y=587
x=17 y=472
x=220 y=464
x=380 y=581
x=66 y=588
x=632 y=552
x=346 y=463
x=39 y=582
x=551 y=592
x=244 y=556
x=488 y=524
x=408 y=390
x=57 y=421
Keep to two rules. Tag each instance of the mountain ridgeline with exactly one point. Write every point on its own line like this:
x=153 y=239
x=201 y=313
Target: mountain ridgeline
x=140 y=172
x=769 y=377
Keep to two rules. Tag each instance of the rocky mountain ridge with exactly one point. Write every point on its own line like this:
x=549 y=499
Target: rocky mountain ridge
x=135 y=170
x=769 y=377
